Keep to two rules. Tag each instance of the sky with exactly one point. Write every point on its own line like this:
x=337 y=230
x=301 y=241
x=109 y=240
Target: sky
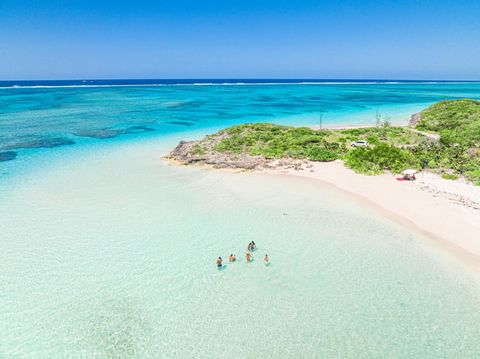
x=343 y=39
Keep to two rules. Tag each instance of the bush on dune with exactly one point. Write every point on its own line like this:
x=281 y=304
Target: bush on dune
x=321 y=154
x=274 y=141
x=374 y=160
x=458 y=123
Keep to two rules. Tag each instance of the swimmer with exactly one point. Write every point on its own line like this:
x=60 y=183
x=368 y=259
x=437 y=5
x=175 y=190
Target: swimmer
x=219 y=263
x=254 y=246
x=248 y=257
x=231 y=258
x=266 y=259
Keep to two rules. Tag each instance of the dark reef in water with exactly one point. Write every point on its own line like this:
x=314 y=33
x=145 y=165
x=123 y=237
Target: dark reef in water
x=134 y=129
x=100 y=134
x=104 y=133
x=42 y=143
x=8 y=153
x=180 y=123
x=7 y=156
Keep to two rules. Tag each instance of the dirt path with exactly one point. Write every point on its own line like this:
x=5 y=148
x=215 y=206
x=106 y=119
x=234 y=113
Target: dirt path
x=433 y=136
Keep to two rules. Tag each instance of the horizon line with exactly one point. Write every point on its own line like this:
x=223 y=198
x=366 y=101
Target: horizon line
x=239 y=78
x=212 y=81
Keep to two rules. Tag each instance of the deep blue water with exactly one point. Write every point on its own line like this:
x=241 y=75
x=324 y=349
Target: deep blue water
x=44 y=115
x=125 y=82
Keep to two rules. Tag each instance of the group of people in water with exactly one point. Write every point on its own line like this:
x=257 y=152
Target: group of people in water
x=248 y=256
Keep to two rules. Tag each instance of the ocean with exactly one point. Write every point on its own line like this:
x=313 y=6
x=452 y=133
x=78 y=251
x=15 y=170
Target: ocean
x=46 y=115
x=106 y=251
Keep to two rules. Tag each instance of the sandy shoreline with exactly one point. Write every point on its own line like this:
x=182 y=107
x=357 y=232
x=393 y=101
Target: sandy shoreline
x=448 y=211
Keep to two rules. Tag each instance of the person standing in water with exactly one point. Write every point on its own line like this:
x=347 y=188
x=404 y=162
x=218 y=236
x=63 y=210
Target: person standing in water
x=231 y=258
x=266 y=259
x=248 y=257
x=219 y=263
x=254 y=246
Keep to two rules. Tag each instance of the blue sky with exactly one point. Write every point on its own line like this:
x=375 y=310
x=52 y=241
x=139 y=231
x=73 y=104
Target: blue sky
x=401 y=39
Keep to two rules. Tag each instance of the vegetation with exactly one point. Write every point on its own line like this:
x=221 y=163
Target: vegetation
x=458 y=151
x=449 y=176
x=274 y=141
x=374 y=160
x=455 y=152
x=198 y=150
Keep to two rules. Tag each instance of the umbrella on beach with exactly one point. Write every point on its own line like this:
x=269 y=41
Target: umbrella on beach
x=409 y=172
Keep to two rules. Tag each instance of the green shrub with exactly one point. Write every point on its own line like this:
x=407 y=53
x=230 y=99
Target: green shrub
x=374 y=160
x=273 y=141
x=198 y=150
x=373 y=139
x=474 y=176
x=321 y=154
x=457 y=121
x=449 y=176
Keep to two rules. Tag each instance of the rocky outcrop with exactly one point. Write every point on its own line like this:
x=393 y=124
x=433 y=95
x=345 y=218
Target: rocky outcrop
x=200 y=152
x=415 y=118
x=203 y=152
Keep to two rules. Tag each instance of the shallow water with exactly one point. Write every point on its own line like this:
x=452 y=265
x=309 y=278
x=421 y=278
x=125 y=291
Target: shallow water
x=113 y=255
x=107 y=251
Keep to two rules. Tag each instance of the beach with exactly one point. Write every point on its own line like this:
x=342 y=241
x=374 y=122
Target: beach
x=447 y=210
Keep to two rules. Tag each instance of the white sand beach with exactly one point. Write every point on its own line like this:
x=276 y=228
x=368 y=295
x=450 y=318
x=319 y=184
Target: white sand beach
x=446 y=210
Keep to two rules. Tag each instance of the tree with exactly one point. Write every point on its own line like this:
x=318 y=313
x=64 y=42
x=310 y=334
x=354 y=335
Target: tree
x=378 y=118
x=320 y=119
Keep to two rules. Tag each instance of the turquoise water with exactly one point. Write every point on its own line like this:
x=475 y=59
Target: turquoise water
x=37 y=118
x=107 y=251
